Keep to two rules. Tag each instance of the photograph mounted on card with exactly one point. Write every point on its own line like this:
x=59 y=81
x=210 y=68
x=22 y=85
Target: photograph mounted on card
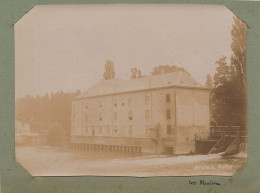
x=130 y=90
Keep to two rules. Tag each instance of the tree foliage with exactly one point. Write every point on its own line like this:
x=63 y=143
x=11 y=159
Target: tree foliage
x=209 y=81
x=53 y=108
x=136 y=73
x=161 y=69
x=109 y=70
x=229 y=93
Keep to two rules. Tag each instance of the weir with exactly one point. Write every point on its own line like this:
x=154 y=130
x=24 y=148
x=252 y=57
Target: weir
x=227 y=139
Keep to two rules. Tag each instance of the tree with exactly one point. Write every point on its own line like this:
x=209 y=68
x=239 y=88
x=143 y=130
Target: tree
x=221 y=93
x=133 y=73
x=109 y=70
x=222 y=74
x=161 y=69
x=238 y=46
x=139 y=74
x=45 y=109
x=209 y=81
x=238 y=71
x=136 y=73
x=229 y=93
x=209 y=84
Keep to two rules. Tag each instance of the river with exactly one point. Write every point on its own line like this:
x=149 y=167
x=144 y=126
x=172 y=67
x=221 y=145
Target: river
x=54 y=161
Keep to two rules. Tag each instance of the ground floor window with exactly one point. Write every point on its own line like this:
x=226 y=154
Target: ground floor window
x=108 y=129
x=130 y=131
x=115 y=129
x=148 y=130
x=100 y=130
x=169 y=130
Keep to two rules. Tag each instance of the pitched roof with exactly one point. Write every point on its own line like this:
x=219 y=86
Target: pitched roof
x=106 y=87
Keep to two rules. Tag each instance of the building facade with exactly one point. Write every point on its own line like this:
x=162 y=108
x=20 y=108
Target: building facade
x=156 y=114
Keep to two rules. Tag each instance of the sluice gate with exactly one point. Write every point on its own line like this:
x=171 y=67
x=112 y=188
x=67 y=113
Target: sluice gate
x=102 y=147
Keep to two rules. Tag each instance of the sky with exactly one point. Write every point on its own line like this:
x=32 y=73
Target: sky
x=66 y=46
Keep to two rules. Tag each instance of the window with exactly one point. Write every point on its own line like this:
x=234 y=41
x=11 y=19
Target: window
x=115 y=103
x=130 y=101
x=86 y=106
x=130 y=115
x=73 y=130
x=147 y=100
x=86 y=129
x=148 y=130
x=168 y=98
x=130 y=130
x=108 y=129
x=100 y=116
x=169 y=130
x=86 y=118
x=147 y=115
x=93 y=131
x=123 y=102
x=168 y=114
x=100 y=130
x=115 y=129
x=100 y=104
x=115 y=116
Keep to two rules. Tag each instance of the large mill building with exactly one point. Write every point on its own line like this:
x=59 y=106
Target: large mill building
x=155 y=114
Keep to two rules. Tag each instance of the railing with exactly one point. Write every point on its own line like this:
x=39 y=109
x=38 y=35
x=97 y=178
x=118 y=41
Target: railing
x=217 y=131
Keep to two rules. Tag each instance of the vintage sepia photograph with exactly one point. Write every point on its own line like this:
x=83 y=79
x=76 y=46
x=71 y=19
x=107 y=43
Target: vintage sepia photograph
x=130 y=90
